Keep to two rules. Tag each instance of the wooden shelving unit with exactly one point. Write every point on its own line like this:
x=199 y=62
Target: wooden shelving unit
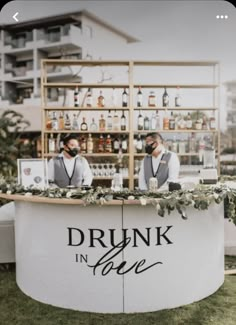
x=131 y=85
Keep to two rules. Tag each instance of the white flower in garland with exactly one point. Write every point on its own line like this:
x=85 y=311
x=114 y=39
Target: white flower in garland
x=28 y=194
x=143 y=201
x=8 y=192
x=131 y=197
x=68 y=194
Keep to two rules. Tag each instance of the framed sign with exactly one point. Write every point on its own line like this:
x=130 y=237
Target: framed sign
x=33 y=172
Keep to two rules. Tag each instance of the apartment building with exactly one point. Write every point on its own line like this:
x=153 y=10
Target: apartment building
x=77 y=35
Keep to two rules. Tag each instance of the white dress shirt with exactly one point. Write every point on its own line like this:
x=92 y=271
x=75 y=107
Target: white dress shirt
x=173 y=165
x=69 y=164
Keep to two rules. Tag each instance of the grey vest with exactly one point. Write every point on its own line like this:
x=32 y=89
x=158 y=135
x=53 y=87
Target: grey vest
x=162 y=170
x=61 y=177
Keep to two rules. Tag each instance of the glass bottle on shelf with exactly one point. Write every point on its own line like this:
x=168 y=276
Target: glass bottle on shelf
x=171 y=121
x=182 y=147
x=189 y=122
x=48 y=121
x=67 y=122
x=124 y=144
x=140 y=121
x=174 y=146
x=76 y=97
x=139 y=97
x=84 y=125
x=116 y=124
x=204 y=123
x=113 y=98
x=146 y=123
x=166 y=121
x=102 y=123
x=153 y=123
x=101 y=144
x=212 y=121
x=61 y=122
x=177 y=97
x=165 y=98
x=109 y=121
x=139 y=144
x=123 y=122
x=83 y=145
x=116 y=145
x=181 y=123
x=75 y=123
x=89 y=98
x=152 y=99
x=54 y=121
x=192 y=144
x=108 y=145
x=90 y=144
x=124 y=98
x=51 y=144
x=201 y=147
x=101 y=100
x=93 y=126
x=158 y=121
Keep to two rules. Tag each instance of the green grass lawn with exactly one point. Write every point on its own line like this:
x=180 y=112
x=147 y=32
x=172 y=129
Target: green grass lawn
x=18 y=309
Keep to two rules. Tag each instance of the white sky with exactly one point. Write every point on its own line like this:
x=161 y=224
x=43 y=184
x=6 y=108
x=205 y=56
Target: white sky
x=167 y=30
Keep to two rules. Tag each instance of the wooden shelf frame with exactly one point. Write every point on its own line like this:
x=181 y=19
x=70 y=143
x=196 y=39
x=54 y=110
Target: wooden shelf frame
x=131 y=87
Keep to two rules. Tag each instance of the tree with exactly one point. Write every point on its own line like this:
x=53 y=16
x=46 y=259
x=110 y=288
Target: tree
x=11 y=148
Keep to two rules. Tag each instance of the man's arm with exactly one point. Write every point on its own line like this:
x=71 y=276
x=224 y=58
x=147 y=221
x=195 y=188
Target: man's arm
x=87 y=174
x=141 y=179
x=174 y=168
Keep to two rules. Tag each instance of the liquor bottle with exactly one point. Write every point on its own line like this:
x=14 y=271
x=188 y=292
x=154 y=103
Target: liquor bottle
x=109 y=121
x=146 y=123
x=174 y=146
x=101 y=144
x=124 y=98
x=84 y=125
x=108 y=146
x=90 y=144
x=181 y=123
x=140 y=121
x=123 y=122
x=67 y=122
x=182 y=147
x=83 y=145
x=192 y=143
x=204 y=123
x=189 y=122
x=93 y=126
x=171 y=122
x=89 y=98
x=61 y=146
x=48 y=121
x=153 y=122
x=139 y=97
x=75 y=123
x=212 y=121
x=116 y=124
x=61 y=122
x=158 y=121
x=113 y=98
x=139 y=144
x=165 y=98
x=76 y=97
x=201 y=147
x=152 y=99
x=124 y=144
x=177 y=97
x=116 y=145
x=102 y=123
x=51 y=144
x=101 y=100
x=166 y=122
x=54 y=121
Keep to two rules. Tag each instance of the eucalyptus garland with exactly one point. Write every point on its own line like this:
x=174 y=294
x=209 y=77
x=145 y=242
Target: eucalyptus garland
x=164 y=202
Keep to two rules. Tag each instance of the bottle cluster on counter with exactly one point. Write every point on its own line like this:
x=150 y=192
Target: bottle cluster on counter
x=89 y=144
x=67 y=121
x=177 y=121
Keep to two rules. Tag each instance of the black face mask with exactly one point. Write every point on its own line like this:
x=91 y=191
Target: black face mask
x=149 y=149
x=72 y=152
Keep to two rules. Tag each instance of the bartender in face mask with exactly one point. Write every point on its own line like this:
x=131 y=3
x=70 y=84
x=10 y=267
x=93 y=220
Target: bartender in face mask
x=159 y=163
x=69 y=168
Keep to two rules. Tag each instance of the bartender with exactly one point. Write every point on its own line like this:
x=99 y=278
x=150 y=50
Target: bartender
x=69 y=168
x=159 y=163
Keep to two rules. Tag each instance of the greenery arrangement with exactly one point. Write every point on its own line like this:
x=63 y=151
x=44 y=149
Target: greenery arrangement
x=11 y=124
x=200 y=197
